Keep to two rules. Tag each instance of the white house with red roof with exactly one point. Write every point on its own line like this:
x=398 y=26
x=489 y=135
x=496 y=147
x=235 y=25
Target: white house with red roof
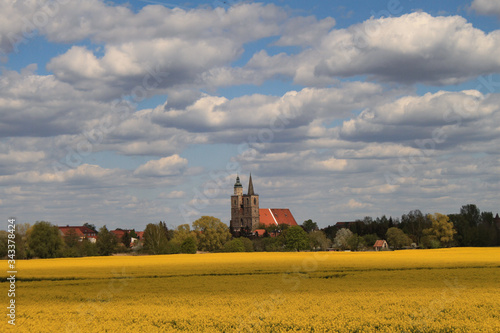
x=81 y=231
x=380 y=245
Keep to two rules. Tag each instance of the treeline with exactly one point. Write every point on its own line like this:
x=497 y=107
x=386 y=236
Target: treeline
x=207 y=234
x=44 y=240
x=470 y=227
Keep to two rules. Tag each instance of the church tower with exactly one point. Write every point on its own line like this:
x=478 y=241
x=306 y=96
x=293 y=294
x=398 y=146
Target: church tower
x=244 y=209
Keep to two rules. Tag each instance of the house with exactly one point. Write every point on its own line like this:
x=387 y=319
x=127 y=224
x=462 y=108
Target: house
x=119 y=235
x=380 y=245
x=81 y=231
x=137 y=240
x=260 y=232
x=346 y=224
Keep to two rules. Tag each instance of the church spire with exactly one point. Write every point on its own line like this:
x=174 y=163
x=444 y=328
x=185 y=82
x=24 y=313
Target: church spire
x=237 y=184
x=250 y=186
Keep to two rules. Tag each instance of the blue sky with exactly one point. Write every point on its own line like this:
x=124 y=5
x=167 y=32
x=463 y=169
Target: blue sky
x=126 y=113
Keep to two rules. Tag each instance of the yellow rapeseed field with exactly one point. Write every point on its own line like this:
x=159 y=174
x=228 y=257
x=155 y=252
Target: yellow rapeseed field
x=445 y=290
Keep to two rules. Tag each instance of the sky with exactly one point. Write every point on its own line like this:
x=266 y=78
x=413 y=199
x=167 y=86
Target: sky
x=124 y=113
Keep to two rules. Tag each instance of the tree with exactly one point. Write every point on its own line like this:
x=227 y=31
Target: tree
x=72 y=244
x=183 y=232
x=133 y=234
x=212 y=234
x=126 y=239
x=318 y=240
x=4 y=236
x=397 y=238
x=309 y=225
x=106 y=242
x=90 y=226
x=189 y=245
x=71 y=238
x=370 y=239
x=88 y=248
x=44 y=240
x=414 y=224
x=355 y=242
x=234 y=245
x=341 y=238
x=247 y=243
x=22 y=232
x=441 y=229
x=156 y=238
x=471 y=213
x=296 y=238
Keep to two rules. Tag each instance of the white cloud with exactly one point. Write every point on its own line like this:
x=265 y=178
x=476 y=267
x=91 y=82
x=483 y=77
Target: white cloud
x=17 y=157
x=353 y=204
x=156 y=48
x=41 y=106
x=175 y=195
x=412 y=48
x=486 y=7
x=292 y=110
x=167 y=166
x=17 y=25
x=444 y=117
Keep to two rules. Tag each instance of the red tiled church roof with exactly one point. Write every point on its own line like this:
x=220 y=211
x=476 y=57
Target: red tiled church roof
x=276 y=216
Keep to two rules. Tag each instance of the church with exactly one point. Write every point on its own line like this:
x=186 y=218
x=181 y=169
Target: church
x=247 y=216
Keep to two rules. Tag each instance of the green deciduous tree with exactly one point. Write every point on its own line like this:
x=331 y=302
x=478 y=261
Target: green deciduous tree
x=309 y=225
x=72 y=244
x=397 y=238
x=126 y=239
x=318 y=240
x=189 y=245
x=44 y=240
x=4 y=236
x=414 y=224
x=296 y=238
x=22 y=250
x=234 y=245
x=90 y=226
x=211 y=233
x=247 y=243
x=355 y=242
x=156 y=238
x=370 y=239
x=106 y=242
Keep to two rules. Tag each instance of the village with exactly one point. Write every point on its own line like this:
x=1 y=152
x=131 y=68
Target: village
x=275 y=229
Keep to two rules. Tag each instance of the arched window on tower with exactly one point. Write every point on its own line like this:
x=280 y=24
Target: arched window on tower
x=254 y=201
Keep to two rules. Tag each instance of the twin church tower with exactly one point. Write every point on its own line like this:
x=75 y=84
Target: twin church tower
x=244 y=208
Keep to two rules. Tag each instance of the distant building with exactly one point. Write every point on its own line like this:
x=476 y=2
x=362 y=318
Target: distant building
x=119 y=235
x=247 y=216
x=380 y=245
x=81 y=231
x=276 y=216
x=496 y=220
x=345 y=224
x=244 y=208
